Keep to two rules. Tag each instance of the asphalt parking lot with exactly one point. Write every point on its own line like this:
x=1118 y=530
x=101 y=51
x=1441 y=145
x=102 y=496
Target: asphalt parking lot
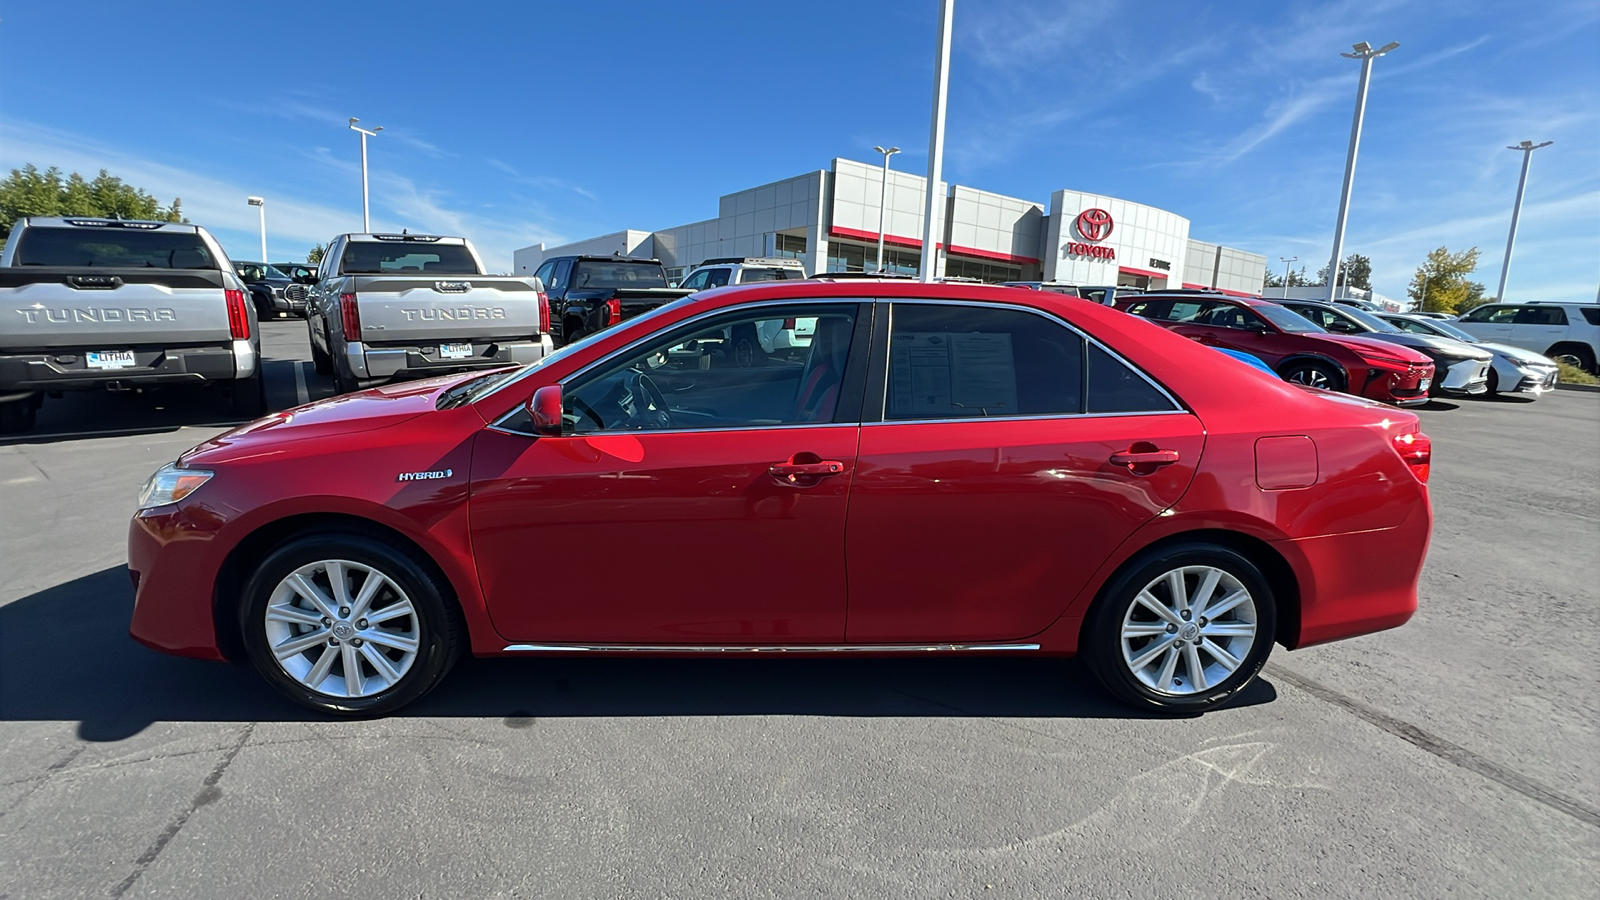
x=1455 y=756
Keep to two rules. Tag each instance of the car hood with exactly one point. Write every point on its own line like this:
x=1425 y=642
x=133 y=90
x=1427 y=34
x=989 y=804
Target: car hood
x=1516 y=354
x=1428 y=343
x=367 y=410
x=1371 y=344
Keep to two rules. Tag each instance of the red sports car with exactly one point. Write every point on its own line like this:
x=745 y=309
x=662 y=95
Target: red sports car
x=946 y=468
x=1278 y=336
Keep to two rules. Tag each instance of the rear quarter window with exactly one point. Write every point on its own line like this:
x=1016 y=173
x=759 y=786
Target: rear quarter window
x=1592 y=316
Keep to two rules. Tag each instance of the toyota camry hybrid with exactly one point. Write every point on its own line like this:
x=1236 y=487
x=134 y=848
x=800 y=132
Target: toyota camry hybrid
x=945 y=468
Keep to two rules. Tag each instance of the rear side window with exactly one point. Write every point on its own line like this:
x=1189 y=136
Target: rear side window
x=966 y=362
x=1115 y=387
x=597 y=274
x=406 y=258
x=113 y=247
x=717 y=277
x=1592 y=315
x=749 y=276
x=1541 y=315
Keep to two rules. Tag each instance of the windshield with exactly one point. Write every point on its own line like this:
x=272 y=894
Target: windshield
x=596 y=274
x=258 y=272
x=121 y=247
x=1434 y=326
x=1369 y=320
x=1292 y=322
x=407 y=257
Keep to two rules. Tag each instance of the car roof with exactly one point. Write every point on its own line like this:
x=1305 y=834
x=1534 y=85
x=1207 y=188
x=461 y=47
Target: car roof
x=103 y=222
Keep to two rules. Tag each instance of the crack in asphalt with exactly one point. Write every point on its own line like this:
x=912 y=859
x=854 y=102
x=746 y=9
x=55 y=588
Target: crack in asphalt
x=1450 y=752
x=39 y=781
x=208 y=793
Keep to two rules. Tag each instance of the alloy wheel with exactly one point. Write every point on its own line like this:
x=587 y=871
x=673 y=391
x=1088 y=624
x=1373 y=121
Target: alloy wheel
x=342 y=629
x=1188 y=630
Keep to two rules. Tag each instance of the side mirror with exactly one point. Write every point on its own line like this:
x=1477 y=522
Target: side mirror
x=296 y=292
x=545 y=408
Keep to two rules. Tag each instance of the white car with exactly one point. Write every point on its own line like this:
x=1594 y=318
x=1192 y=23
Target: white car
x=1567 y=332
x=1513 y=369
x=774 y=338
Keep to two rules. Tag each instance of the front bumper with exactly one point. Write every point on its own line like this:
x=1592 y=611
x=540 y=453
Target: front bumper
x=67 y=369
x=173 y=563
x=1464 y=377
x=1399 y=388
x=1537 y=379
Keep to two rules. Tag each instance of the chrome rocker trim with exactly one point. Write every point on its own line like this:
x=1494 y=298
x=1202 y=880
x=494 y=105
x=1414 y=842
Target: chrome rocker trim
x=786 y=648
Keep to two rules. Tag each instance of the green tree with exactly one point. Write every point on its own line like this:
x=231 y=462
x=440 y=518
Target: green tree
x=1441 y=284
x=314 y=255
x=30 y=192
x=1355 y=271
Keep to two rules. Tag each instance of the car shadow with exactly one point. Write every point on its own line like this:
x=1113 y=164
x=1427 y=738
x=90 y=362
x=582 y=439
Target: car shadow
x=1439 y=405
x=65 y=655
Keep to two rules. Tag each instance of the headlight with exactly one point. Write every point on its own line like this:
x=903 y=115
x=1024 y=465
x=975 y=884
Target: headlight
x=170 y=484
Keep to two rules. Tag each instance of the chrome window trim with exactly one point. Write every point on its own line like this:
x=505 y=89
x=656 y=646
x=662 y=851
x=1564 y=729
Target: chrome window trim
x=883 y=418
x=1038 y=418
x=765 y=648
x=496 y=424
x=589 y=434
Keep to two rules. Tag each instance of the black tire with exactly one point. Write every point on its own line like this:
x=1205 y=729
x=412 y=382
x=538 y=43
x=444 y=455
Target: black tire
x=248 y=397
x=1574 y=355
x=1494 y=381
x=572 y=336
x=320 y=360
x=746 y=352
x=435 y=618
x=1312 y=373
x=344 y=384
x=1117 y=606
x=19 y=415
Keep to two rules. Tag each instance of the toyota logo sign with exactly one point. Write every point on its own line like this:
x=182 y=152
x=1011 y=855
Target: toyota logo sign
x=1095 y=224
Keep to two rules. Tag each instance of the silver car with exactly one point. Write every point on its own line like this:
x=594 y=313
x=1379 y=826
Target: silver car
x=1513 y=369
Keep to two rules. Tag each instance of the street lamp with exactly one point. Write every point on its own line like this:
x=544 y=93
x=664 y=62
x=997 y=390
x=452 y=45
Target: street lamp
x=366 y=224
x=1286 y=260
x=1365 y=53
x=1527 y=148
x=883 y=199
x=260 y=204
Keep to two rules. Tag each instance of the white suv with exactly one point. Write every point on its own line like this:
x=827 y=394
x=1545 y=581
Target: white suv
x=1569 y=332
x=756 y=346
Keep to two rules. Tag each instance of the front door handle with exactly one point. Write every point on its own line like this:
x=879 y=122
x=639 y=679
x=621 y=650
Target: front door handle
x=804 y=474
x=1143 y=458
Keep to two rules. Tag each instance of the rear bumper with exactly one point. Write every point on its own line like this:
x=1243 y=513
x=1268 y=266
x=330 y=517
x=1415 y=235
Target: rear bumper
x=378 y=364
x=1354 y=584
x=66 y=369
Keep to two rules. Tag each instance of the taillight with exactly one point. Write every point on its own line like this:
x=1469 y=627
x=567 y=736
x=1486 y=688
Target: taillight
x=788 y=324
x=238 y=315
x=350 y=317
x=613 y=311
x=544 y=313
x=1417 y=450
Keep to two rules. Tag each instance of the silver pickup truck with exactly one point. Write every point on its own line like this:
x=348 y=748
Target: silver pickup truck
x=387 y=307
x=98 y=304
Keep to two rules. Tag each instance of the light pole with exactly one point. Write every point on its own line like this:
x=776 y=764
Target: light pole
x=883 y=199
x=941 y=85
x=260 y=204
x=1286 y=260
x=366 y=224
x=1527 y=148
x=1365 y=53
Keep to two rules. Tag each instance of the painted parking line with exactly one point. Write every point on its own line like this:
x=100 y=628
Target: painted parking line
x=300 y=383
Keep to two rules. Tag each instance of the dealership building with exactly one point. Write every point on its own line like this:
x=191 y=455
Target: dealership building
x=829 y=220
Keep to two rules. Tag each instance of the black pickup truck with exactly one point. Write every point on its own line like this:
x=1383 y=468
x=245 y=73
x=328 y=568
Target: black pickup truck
x=588 y=293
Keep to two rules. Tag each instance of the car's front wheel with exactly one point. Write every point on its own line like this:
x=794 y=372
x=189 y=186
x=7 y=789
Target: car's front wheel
x=1183 y=630
x=348 y=624
x=1313 y=374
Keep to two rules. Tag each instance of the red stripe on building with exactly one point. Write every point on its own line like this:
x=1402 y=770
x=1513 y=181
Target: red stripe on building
x=871 y=237
x=994 y=255
x=1145 y=272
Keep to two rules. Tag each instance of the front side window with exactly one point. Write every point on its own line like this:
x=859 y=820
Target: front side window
x=697 y=281
x=544 y=274
x=705 y=376
x=1497 y=314
x=717 y=277
x=970 y=362
x=1287 y=321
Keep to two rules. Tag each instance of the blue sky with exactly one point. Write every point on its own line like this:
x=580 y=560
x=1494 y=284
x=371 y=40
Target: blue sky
x=520 y=122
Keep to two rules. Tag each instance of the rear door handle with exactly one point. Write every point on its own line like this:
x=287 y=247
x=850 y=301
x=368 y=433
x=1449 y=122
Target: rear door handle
x=1143 y=459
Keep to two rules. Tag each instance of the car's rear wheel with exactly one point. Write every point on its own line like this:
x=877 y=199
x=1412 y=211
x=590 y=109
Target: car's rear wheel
x=1183 y=630
x=348 y=624
x=320 y=360
x=1575 y=355
x=1313 y=374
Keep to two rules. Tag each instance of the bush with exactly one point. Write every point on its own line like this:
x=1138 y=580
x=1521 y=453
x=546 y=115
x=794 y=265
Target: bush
x=1573 y=375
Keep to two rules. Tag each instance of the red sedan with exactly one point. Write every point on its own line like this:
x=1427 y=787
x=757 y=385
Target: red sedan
x=946 y=468
x=1278 y=336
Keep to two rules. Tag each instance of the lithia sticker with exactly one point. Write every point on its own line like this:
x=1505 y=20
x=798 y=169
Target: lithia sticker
x=423 y=476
